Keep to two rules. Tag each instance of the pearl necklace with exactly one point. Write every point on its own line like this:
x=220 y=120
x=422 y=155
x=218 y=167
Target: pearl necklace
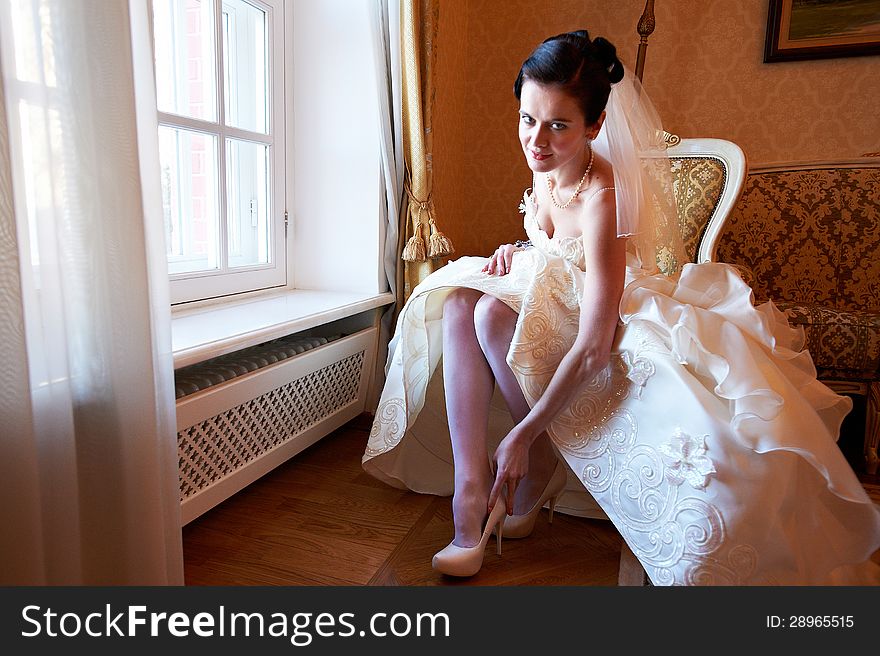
x=577 y=190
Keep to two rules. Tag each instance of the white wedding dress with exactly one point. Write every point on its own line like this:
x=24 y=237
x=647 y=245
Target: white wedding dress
x=707 y=441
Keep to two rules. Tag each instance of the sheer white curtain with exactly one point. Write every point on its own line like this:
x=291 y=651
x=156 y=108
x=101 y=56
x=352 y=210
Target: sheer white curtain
x=386 y=48
x=89 y=460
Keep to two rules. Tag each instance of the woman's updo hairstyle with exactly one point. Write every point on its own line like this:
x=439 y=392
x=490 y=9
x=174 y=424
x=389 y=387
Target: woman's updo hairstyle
x=585 y=69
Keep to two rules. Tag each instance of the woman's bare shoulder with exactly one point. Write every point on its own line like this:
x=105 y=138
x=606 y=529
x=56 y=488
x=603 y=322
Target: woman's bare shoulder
x=599 y=209
x=602 y=172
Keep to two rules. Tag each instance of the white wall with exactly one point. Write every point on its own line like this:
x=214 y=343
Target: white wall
x=335 y=218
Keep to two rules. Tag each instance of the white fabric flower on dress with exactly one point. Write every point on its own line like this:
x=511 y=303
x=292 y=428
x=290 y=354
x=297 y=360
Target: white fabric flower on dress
x=638 y=369
x=686 y=460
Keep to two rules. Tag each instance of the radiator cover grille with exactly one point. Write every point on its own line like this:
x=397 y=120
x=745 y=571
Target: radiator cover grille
x=215 y=448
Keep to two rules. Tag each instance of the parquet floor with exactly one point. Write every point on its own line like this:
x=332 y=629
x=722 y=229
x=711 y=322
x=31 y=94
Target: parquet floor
x=319 y=519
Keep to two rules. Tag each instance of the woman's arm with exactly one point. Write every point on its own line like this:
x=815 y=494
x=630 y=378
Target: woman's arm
x=500 y=261
x=605 y=257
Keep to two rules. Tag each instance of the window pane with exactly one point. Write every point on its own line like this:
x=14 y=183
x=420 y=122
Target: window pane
x=185 y=63
x=32 y=31
x=247 y=203
x=41 y=150
x=245 y=65
x=189 y=199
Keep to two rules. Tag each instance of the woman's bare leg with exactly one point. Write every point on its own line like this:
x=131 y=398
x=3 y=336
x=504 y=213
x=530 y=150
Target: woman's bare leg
x=495 y=323
x=469 y=386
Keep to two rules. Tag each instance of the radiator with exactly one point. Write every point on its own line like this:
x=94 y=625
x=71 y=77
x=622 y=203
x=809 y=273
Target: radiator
x=232 y=433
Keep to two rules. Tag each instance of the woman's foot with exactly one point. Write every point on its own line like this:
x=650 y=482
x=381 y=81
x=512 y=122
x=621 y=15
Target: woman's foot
x=542 y=464
x=521 y=524
x=454 y=560
x=532 y=486
x=469 y=509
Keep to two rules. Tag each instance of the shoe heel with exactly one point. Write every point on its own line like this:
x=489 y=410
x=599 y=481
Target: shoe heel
x=499 y=530
x=520 y=526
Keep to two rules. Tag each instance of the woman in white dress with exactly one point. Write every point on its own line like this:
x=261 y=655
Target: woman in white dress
x=694 y=419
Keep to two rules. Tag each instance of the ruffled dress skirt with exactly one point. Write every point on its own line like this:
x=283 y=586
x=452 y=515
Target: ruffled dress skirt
x=707 y=441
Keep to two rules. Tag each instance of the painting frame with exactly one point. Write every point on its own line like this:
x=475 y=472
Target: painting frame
x=778 y=47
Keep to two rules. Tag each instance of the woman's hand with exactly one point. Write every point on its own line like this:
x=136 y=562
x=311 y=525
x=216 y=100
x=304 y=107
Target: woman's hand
x=502 y=258
x=511 y=465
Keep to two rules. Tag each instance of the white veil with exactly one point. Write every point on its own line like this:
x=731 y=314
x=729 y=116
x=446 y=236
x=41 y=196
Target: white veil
x=632 y=140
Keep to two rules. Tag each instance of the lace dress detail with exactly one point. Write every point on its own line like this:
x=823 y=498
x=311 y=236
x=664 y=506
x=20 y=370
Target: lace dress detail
x=570 y=248
x=672 y=441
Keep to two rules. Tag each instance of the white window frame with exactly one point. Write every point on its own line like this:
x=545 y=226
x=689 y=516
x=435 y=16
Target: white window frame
x=204 y=285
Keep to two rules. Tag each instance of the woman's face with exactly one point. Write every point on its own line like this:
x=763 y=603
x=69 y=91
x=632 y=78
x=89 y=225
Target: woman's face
x=552 y=129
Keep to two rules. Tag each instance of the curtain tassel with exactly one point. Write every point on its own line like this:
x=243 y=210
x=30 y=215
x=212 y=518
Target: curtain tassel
x=439 y=244
x=414 y=251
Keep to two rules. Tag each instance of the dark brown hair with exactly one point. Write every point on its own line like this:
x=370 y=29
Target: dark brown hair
x=585 y=69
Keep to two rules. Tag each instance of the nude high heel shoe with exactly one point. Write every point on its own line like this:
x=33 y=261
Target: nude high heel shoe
x=467 y=561
x=521 y=526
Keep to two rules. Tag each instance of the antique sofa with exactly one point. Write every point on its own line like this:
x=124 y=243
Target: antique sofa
x=807 y=237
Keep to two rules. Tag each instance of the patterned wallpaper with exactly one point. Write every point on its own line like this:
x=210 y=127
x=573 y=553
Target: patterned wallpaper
x=704 y=71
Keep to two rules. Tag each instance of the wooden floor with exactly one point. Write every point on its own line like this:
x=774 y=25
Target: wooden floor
x=319 y=519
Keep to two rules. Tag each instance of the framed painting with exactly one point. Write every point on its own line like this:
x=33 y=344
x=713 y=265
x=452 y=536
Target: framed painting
x=819 y=29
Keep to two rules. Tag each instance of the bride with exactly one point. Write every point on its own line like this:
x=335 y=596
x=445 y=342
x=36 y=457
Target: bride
x=694 y=419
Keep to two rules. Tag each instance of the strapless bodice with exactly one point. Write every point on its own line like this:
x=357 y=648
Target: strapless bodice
x=570 y=248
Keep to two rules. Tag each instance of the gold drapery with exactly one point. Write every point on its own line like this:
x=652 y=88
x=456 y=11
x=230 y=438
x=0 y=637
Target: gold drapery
x=422 y=246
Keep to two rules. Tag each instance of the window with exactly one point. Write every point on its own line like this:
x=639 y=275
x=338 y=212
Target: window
x=220 y=95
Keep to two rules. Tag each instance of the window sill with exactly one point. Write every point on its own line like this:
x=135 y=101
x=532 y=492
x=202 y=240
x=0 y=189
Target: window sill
x=202 y=333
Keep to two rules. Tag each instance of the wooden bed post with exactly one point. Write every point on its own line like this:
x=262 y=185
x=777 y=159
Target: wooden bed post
x=645 y=28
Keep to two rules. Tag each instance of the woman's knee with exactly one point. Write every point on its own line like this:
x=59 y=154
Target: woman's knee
x=493 y=318
x=460 y=304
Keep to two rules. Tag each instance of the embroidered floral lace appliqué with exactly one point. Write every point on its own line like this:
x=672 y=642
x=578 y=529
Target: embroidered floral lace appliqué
x=686 y=460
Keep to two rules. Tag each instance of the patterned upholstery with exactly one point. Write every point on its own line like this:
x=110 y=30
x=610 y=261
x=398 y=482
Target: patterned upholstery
x=808 y=239
x=698 y=183
x=845 y=345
